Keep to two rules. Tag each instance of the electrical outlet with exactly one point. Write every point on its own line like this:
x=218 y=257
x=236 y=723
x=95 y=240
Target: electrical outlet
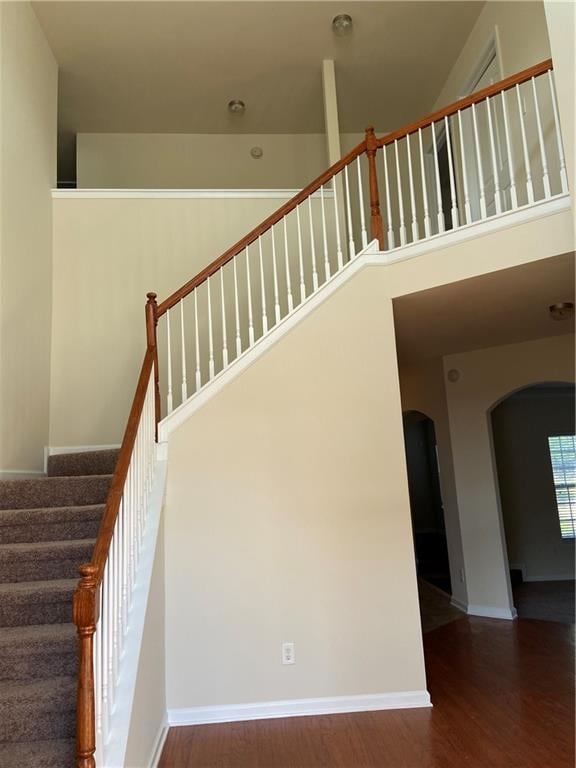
x=288 y=655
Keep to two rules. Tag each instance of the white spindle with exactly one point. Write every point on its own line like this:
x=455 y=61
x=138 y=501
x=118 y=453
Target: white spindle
x=183 y=344
x=275 y=275
x=467 y=207
x=364 y=234
x=400 y=195
x=197 y=341
x=390 y=232
x=483 y=212
x=224 y=332
x=236 y=309
x=210 y=334
x=529 y=186
x=440 y=211
x=559 y=143
x=312 y=246
x=169 y=398
x=497 y=197
x=300 y=256
x=545 y=174
x=351 y=246
x=509 y=154
x=453 y=200
x=339 y=256
x=262 y=288
x=427 y=224
x=250 y=317
x=415 y=233
x=324 y=236
x=287 y=267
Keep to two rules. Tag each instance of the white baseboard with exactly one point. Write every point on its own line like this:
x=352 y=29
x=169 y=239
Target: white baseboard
x=492 y=612
x=554 y=577
x=459 y=604
x=298 y=708
x=20 y=474
x=159 y=742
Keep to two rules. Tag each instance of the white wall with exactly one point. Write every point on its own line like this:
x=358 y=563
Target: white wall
x=287 y=519
x=486 y=376
x=28 y=89
x=521 y=426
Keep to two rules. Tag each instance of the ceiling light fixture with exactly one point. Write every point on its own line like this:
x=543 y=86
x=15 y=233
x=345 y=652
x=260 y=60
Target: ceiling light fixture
x=236 y=107
x=256 y=152
x=342 y=24
x=562 y=310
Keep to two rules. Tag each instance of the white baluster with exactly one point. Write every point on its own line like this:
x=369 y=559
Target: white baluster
x=545 y=174
x=415 y=233
x=324 y=236
x=312 y=246
x=262 y=288
x=454 y=204
x=467 y=208
x=224 y=332
x=250 y=317
x=275 y=275
x=287 y=267
x=339 y=256
x=427 y=223
x=483 y=211
x=364 y=234
x=183 y=343
x=497 y=197
x=169 y=399
x=440 y=211
x=210 y=334
x=509 y=154
x=529 y=186
x=351 y=246
x=400 y=196
x=562 y=159
x=197 y=341
x=237 y=309
x=300 y=256
x=390 y=232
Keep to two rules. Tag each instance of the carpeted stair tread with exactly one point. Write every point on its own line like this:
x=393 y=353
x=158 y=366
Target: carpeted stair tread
x=50 y=523
x=54 y=491
x=23 y=603
x=83 y=463
x=38 y=709
x=36 y=651
x=58 y=753
x=27 y=561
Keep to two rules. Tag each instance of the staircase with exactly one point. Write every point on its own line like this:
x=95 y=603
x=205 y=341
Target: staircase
x=47 y=529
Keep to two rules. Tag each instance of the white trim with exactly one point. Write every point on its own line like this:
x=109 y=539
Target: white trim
x=58 y=450
x=179 y=194
x=233 y=713
x=554 y=577
x=460 y=604
x=159 y=742
x=115 y=749
x=486 y=611
x=20 y=474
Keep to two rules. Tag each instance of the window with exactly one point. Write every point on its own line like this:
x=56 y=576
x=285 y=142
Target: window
x=563 y=457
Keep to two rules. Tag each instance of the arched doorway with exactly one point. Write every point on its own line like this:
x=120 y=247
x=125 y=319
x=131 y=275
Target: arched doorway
x=535 y=458
x=426 y=500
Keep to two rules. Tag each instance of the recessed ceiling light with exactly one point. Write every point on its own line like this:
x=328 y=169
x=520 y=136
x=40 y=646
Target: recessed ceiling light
x=562 y=310
x=342 y=24
x=256 y=152
x=236 y=106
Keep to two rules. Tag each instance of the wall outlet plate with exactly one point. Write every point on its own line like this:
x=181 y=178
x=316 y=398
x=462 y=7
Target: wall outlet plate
x=288 y=653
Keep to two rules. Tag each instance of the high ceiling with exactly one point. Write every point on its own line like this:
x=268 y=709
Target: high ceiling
x=173 y=66
x=503 y=307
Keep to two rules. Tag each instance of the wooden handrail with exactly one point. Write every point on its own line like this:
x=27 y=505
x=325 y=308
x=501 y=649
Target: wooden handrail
x=467 y=101
x=260 y=230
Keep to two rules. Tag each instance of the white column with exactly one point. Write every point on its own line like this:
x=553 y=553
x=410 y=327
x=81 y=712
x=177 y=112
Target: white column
x=331 y=123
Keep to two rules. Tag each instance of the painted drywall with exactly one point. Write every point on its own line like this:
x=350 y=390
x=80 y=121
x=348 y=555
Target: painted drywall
x=485 y=377
x=28 y=91
x=149 y=708
x=287 y=510
x=521 y=426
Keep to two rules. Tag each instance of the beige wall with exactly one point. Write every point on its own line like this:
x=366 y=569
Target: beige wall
x=28 y=74
x=282 y=512
x=485 y=377
x=521 y=426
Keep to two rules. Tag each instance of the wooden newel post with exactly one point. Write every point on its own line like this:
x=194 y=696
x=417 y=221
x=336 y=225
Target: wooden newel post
x=85 y=617
x=376 y=228
x=151 y=339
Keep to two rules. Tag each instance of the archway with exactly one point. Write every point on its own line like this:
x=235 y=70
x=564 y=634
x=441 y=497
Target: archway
x=535 y=460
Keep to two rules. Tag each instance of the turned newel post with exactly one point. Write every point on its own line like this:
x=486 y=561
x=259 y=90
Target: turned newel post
x=376 y=228
x=85 y=618
x=151 y=339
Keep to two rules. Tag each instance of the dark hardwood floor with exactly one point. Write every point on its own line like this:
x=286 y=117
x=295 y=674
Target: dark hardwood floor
x=503 y=698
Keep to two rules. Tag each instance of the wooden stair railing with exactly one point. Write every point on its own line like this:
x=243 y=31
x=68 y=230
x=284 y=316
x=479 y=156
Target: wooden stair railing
x=96 y=581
